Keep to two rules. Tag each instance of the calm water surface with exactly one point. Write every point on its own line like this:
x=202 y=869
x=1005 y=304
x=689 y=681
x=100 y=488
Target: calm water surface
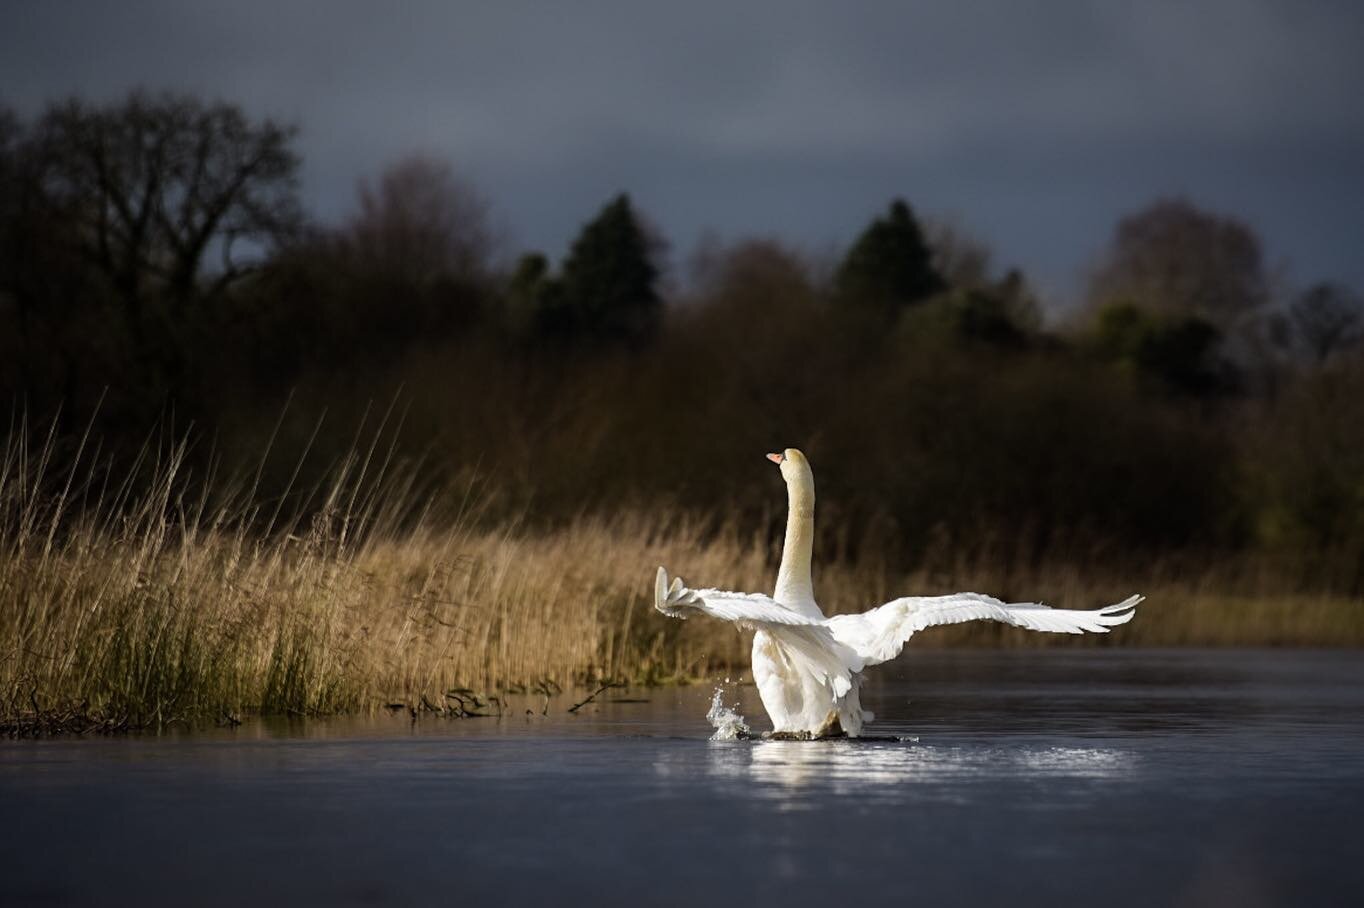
x=1025 y=778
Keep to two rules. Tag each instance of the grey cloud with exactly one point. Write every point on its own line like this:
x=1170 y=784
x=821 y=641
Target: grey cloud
x=1035 y=124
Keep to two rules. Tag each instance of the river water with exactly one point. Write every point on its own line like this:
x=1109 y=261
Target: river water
x=1023 y=778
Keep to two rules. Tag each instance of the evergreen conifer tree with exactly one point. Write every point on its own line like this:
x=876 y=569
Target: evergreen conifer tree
x=890 y=265
x=606 y=287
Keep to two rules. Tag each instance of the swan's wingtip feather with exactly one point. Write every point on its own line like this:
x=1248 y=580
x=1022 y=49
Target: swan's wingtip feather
x=1130 y=602
x=1120 y=612
x=660 y=587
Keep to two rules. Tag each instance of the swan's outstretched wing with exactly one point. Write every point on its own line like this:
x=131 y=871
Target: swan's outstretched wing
x=676 y=601
x=880 y=634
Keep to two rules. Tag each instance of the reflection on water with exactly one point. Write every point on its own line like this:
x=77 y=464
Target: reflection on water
x=1081 y=762
x=789 y=771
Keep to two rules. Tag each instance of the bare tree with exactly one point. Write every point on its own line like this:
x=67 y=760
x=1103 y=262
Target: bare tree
x=1175 y=258
x=154 y=186
x=1326 y=318
x=966 y=263
x=763 y=271
x=963 y=260
x=9 y=191
x=9 y=139
x=421 y=223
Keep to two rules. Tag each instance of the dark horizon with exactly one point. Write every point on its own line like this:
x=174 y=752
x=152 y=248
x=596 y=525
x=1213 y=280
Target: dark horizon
x=1034 y=131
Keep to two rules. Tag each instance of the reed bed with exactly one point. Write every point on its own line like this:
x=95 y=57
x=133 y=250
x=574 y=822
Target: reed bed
x=154 y=598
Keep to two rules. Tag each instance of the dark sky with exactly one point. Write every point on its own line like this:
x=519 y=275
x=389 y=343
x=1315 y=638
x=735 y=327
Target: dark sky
x=1033 y=125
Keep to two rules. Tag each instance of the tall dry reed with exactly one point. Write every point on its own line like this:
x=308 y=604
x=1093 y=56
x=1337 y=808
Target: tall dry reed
x=158 y=598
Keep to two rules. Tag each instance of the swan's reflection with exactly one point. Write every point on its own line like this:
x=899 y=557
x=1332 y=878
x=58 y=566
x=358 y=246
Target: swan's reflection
x=783 y=770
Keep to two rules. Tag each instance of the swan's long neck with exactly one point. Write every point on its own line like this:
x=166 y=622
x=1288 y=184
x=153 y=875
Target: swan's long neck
x=793 y=577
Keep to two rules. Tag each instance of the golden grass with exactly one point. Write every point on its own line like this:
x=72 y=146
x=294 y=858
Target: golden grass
x=160 y=606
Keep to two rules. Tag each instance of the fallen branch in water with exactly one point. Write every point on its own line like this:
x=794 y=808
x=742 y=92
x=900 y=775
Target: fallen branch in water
x=68 y=721
x=605 y=687
x=463 y=697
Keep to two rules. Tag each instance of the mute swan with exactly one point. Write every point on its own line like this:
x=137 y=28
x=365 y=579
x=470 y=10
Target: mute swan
x=808 y=667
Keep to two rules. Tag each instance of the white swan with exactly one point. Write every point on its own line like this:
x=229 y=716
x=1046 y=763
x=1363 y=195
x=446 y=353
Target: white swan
x=808 y=667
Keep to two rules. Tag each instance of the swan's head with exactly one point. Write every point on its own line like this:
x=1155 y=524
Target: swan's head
x=795 y=469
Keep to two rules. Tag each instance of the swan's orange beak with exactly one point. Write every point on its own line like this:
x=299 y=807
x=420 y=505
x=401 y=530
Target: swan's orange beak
x=775 y=458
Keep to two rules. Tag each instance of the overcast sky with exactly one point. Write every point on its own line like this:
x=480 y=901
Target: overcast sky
x=1034 y=125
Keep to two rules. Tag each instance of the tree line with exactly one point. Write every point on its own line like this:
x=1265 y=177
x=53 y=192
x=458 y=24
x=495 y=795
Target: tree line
x=158 y=267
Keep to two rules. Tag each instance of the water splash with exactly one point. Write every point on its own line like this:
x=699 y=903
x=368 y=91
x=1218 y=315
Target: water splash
x=729 y=725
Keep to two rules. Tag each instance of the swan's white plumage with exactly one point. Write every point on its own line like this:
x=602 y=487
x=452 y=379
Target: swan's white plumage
x=676 y=601
x=880 y=634
x=808 y=667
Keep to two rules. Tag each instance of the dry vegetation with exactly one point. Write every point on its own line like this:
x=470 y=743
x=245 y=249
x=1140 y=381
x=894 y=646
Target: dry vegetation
x=166 y=604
